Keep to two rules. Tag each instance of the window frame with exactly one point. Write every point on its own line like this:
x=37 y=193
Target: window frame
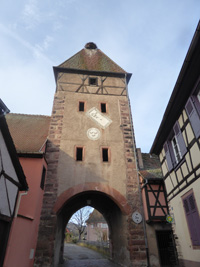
x=83 y=153
x=93 y=84
x=170 y=152
x=109 y=154
x=106 y=107
x=176 y=149
x=192 y=109
x=84 y=108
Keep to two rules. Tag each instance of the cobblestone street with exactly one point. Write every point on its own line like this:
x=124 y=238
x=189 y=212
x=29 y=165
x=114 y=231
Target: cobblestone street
x=76 y=256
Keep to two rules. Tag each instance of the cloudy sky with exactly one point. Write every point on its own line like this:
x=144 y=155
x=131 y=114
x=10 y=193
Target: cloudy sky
x=148 y=38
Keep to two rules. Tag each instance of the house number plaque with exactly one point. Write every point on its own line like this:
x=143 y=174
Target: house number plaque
x=137 y=217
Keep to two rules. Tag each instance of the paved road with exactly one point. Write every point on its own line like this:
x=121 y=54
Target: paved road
x=76 y=256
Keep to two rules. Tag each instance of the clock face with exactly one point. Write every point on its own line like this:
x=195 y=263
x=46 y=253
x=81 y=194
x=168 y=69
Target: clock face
x=93 y=133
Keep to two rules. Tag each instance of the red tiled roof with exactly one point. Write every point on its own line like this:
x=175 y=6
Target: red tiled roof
x=152 y=168
x=29 y=132
x=93 y=60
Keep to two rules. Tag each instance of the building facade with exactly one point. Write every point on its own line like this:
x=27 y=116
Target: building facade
x=178 y=145
x=97 y=228
x=161 y=249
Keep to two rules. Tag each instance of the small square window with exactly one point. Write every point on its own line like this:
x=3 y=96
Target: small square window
x=105 y=154
x=81 y=106
x=79 y=153
x=92 y=81
x=103 y=107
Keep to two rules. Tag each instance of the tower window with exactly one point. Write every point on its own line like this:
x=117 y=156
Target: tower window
x=103 y=108
x=105 y=154
x=81 y=106
x=92 y=81
x=79 y=153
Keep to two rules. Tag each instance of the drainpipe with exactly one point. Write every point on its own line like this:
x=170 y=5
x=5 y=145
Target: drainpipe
x=140 y=194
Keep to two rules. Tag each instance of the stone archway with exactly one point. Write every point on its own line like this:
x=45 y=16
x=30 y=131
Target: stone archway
x=107 y=201
x=117 y=198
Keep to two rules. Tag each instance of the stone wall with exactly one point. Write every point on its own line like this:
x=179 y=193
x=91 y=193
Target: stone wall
x=136 y=240
x=46 y=236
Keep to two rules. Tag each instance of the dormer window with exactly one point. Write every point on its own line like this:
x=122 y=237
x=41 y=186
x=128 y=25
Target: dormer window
x=92 y=81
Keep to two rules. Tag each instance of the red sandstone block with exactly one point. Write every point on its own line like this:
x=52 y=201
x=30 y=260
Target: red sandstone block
x=143 y=248
x=138 y=242
x=135 y=256
x=134 y=248
x=143 y=255
x=125 y=114
x=137 y=231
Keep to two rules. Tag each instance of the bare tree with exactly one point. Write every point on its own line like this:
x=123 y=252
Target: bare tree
x=79 y=218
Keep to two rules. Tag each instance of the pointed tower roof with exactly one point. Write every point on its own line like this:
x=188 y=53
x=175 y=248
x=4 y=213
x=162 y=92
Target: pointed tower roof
x=91 y=59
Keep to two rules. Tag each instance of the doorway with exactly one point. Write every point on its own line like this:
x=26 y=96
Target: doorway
x=167 y=248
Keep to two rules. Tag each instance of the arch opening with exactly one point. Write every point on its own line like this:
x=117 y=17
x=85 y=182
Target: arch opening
x=114 y=217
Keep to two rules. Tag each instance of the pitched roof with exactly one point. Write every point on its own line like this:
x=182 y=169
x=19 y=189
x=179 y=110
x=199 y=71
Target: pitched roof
x=29 y=132
x=93 y=59
x=95 y=217
x=151 y=166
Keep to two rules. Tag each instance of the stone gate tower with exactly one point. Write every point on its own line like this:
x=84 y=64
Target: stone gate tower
x=91 y=157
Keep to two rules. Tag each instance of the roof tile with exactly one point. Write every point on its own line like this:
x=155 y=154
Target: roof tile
x=29 y=132
x=92 y=60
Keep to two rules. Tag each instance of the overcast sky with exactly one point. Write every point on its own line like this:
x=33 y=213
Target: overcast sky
x=148 y=38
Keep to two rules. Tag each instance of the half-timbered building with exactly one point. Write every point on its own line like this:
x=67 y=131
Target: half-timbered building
x=160 y=243
x=178 y=145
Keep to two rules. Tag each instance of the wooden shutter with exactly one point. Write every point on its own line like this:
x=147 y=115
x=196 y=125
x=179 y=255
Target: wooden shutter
x=168 y=157
x=180 y=139
x=193 y=117
x=193 y=219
